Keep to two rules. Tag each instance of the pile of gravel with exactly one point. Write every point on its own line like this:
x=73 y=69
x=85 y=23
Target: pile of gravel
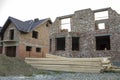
x=67 y=76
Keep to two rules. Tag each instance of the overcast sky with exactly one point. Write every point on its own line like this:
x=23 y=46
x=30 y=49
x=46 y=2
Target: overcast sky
x=30 y=9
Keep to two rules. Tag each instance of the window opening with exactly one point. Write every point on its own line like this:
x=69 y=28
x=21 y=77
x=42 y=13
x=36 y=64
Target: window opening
x=11 y=36
x=75 y=43
x=35 y=34
x=50 y=45
x=28 y=48
x=60 y=43
x=101 y=26
x=102 y=42
x=101 y=15
x=38 y=49
x=65 y=24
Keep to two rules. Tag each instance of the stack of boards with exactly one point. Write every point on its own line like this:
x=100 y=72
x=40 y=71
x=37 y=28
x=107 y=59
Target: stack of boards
x=57 y=63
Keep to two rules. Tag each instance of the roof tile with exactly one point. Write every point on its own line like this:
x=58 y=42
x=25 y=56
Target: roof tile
x=26 y=26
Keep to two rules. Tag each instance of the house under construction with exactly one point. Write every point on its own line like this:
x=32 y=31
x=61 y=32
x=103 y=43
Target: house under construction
x=23 y=39
x=91 y=33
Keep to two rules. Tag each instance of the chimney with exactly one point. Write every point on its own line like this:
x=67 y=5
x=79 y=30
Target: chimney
x=36 y=19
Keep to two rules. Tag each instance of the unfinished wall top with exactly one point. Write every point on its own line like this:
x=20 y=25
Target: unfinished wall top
x=85 y=20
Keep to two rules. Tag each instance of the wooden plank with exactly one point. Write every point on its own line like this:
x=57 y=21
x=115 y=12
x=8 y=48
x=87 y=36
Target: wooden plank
x=69 y=66
x=96 y=58
x=115 y=70
x=71 y=69
x=65 y=63
x=64 y=59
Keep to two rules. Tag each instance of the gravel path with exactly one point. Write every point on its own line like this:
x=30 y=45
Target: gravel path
x=67 y=76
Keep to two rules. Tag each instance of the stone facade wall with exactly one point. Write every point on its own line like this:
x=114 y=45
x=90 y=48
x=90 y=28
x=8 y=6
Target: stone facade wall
x=83 y=21
x=84 y=25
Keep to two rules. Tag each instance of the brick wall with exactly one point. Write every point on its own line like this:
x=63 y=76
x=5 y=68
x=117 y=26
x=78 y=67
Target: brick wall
x=21 y=40
x=22 y=53
x=42 y=42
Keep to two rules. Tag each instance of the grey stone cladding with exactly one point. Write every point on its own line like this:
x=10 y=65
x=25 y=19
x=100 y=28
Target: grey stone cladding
x=84 y=26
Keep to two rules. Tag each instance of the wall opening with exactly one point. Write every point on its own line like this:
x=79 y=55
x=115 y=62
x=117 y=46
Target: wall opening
x=28 y=48
x=101 y=15
x=60 y=43
x=1 y=47
x=65 y=24
x=10 y=51
x=35 y=34
x=102 y=42
x=75 y=43
x=38 y=49
x=11 y=35
x=50 y=49
x=100 y=26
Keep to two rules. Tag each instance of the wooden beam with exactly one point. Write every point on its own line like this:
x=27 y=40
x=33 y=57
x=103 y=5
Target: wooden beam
x=91 y=65
x=82 y=63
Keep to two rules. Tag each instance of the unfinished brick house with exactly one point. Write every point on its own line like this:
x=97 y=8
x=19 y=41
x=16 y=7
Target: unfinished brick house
x=91 y=33
x=25 y=38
